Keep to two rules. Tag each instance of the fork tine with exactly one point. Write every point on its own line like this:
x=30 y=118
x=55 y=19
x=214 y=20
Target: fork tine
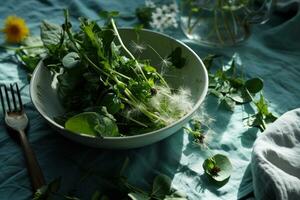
x=15 y=108
x=19 y=97
x=7 y=98
x=2 y=99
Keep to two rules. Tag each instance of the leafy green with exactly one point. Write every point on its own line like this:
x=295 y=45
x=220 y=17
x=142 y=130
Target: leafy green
x=176 y=58
x=196 y=132
x=30 y=61
x=71 y=60
x=144 y=15
x=108 y=14
x=254 y=85
x=161 y=186
x=263 y=115
x=31 y=52
x=95 y=69
x=229 y=85
x=231 y=89
x=92 y=123
x=218 y=167
x=208 y=60
x=51 y=35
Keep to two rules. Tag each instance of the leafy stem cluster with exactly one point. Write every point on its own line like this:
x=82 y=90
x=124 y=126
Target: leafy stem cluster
x=217 y=167
x=105 y=89
x=232 y=88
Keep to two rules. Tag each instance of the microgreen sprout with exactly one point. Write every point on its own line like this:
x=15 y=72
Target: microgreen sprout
x=196 y=132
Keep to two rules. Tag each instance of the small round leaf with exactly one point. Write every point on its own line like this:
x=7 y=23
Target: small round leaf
x=254 y=85
x=71 y=60
x=161 y=186
x=222 y=163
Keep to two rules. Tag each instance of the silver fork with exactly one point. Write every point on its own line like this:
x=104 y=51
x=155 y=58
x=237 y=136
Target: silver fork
x=17 y=121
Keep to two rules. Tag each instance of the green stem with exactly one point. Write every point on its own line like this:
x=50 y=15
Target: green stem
x=264 y=124
x=21 y=48
x=190 y=29
x=98 y=69
x=158 y=74
x=141 y=106
x=120 y=74
x=189 y=20
x=226 y=24
x=137 y=122
x=216 y=26
x=126 y=50
x=133 y=100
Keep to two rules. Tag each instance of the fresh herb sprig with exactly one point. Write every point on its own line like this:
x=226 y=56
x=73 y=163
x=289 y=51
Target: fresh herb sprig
x=229 y=85
x=232 y=88
x=217 y=167
x=196 y=132
x=263 y=115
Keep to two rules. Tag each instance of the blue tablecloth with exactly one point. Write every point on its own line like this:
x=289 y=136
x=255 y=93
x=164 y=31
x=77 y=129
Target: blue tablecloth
x=272 y=52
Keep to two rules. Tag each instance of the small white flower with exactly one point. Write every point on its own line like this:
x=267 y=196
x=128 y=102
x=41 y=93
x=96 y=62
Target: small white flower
x=173 y=8
x=164 y=17
x=149 y=3
x=170 y=20
x=157 y=19
x=165 y=9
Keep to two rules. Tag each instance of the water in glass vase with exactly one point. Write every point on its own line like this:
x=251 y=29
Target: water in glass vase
x=216 y=22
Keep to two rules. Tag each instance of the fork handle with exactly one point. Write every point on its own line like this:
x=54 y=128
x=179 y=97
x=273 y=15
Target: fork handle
x=34 y=170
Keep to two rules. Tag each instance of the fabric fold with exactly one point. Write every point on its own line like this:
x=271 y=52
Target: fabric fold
x=275 y=159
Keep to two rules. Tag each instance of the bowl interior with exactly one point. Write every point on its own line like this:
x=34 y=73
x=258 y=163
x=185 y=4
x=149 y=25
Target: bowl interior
x=192 y=76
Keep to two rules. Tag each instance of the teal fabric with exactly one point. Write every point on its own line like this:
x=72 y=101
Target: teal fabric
x=272 y=52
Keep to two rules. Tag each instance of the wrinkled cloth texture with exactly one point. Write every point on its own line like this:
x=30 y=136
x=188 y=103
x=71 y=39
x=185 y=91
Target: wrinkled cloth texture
x=275 y=160
x=272 y=53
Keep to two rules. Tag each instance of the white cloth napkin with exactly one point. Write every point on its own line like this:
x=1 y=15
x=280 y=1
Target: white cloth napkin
x=276 y=159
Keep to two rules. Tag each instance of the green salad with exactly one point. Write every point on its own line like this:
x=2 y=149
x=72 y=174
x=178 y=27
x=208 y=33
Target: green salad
x=104 y=89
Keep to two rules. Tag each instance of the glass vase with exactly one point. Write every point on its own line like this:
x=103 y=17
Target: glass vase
x=221 y=22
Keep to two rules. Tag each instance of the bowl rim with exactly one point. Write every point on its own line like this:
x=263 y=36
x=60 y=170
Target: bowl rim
x=191 y=112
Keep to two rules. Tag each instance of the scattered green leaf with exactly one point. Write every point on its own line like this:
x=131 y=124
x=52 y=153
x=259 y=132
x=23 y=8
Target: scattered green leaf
x=161 y=186
x=262 y=117
x=218 y=167
x=51 y=35
x=254 y=85
x=144 y=15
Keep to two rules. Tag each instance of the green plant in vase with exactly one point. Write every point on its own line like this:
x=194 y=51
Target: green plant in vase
x=221 y=22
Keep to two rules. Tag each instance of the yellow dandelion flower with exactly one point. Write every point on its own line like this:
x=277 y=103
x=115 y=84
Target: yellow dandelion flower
x=15 y=29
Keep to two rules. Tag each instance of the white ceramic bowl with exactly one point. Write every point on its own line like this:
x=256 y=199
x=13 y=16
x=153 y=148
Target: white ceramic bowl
x=193 y=76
